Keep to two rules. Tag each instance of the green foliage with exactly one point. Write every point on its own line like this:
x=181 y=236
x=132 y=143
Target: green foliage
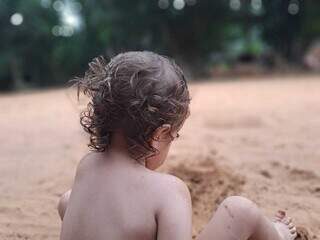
x=44 y=50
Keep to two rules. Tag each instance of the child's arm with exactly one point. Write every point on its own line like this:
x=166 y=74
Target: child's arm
x=63 y=202
x=175 y=216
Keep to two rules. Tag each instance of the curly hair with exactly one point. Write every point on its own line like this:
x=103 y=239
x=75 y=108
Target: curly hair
x=135 y=93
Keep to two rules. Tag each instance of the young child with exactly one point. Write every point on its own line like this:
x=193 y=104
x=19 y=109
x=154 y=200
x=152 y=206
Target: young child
x=138 y=103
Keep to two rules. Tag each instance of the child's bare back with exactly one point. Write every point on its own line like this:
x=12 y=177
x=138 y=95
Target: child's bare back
x=115 y=198
x=137 y=104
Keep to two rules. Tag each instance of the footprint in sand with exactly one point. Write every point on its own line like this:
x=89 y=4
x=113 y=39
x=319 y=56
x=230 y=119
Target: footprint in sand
x=304 y=180
x=208 y=185
x=300 y=174
x=244 y=122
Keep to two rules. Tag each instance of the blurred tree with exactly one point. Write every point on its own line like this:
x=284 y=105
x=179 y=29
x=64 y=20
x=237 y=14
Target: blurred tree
x=46 y=42
x=282 y=25
x=310 y=30
x=24 y=42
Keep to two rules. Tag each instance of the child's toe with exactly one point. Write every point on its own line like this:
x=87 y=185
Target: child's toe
x=279 y=216
x=285 y=226
x=291 y=225
x=286 y=221
x=294 y=235
x=293 y=230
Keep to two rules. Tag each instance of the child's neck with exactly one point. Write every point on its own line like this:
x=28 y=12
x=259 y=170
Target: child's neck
x=119 y=149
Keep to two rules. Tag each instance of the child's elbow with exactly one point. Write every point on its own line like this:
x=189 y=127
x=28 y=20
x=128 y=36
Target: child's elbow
x=63 y=202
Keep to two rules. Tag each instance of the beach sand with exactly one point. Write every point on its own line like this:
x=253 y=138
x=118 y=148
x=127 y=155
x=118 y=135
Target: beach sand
x=259 y=138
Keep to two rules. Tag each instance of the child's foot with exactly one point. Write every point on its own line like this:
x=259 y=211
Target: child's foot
x=284 y=226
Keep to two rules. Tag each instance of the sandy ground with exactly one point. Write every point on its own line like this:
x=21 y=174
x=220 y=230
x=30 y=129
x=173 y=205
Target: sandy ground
x=258 y=138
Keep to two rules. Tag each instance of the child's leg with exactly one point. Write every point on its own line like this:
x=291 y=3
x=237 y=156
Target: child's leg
x=63 y=202
x=239 y=218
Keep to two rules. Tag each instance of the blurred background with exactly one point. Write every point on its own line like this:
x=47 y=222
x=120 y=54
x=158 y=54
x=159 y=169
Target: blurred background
x=254 y=127
x=46 y=42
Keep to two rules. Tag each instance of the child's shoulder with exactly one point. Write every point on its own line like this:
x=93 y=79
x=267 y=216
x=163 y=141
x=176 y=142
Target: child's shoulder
x=169 y=179
x=171 y=196
x=170 y=184
x=85 y=164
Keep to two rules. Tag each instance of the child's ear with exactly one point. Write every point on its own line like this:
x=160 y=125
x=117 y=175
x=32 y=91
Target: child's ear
x=162 y=132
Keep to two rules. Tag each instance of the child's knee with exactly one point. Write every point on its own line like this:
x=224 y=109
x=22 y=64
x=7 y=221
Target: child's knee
x=241 y=208
x=240 y=202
